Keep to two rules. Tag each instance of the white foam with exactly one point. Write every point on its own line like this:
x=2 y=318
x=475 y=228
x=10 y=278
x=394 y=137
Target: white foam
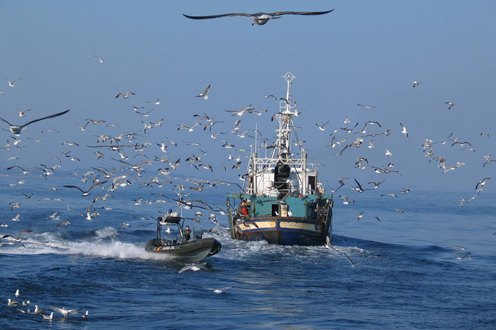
x=48 y=243
x=106 y=232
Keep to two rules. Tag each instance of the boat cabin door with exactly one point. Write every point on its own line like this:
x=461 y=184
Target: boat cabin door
x=283 y=210
x=280 y=210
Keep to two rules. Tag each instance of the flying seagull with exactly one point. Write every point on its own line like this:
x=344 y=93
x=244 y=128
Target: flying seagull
x=86 y=192
x=204 y=93
x=194 y=267
x=124 y=95
x=261 y=18
x=16 y=129
x=450 y=104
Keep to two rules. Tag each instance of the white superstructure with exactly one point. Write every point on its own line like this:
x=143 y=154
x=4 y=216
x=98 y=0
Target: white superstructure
x=283 y=172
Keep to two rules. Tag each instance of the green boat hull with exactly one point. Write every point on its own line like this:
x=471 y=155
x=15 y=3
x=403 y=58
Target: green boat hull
x=293 y=221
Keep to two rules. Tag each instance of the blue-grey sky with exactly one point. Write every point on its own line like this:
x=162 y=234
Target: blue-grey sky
x=364 y=52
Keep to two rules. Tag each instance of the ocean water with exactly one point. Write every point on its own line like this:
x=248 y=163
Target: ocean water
x=427 y=264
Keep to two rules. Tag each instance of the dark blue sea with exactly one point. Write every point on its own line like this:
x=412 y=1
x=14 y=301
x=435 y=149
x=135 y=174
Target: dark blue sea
x=415 y=261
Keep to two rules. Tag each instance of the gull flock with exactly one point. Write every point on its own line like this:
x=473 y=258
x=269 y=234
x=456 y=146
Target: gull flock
x=125 y=159
x=24 y=306
x=131 y=159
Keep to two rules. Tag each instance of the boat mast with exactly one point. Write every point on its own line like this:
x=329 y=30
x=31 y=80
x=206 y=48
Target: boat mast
x=287 y=110
x=282 y=158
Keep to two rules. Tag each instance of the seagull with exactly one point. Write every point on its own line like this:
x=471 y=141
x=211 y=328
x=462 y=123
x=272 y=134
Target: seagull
x=415 y=83
x=65 y=312
x=99 y=59
x=242 y=111
x=8 y=237
x=64 y=223
x=16 y=129
x=24 y=171
x=261 y=18
x=163 y=147
x=346 y=200
x=376 y=184
x=361 y=163
x=219 y=290
x=369 y=122
x=464 y=253
x=37 y=310
x=22 y=113
x=275 y=97
x=404 y=130
x=14 y=205
x=366 y=106
x=144 y=114
x=358 y=187
x=480 y=185
x=156 y=101
x=90 y=215
x=204 y=93
x=360 y=216
x=341 y=184
x=450 y=104
x=194 y=267
x=465 y=145
x=322 y=127
x=186 y=127
x=349 y=259
x=124 y=95
x=86 y=192
x=48 y=317
x=488 y=160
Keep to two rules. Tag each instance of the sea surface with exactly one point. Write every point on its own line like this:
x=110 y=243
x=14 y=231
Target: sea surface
x=415 y=261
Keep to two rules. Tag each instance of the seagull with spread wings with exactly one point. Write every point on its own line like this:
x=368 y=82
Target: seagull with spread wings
x=204 y=93
x=86 y=192
x=261 y=18
x=16 y=129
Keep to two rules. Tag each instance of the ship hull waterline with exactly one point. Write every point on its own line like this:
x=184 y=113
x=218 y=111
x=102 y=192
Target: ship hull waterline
x=282 y=230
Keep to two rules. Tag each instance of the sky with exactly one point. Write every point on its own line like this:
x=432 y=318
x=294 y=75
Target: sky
x=363 y=52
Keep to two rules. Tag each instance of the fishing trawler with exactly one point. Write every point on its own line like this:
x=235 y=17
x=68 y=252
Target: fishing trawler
x=282 y=201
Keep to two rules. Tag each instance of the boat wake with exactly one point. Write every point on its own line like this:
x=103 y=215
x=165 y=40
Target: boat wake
x=98 y=243
x=108 y=242
x=246 y=250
